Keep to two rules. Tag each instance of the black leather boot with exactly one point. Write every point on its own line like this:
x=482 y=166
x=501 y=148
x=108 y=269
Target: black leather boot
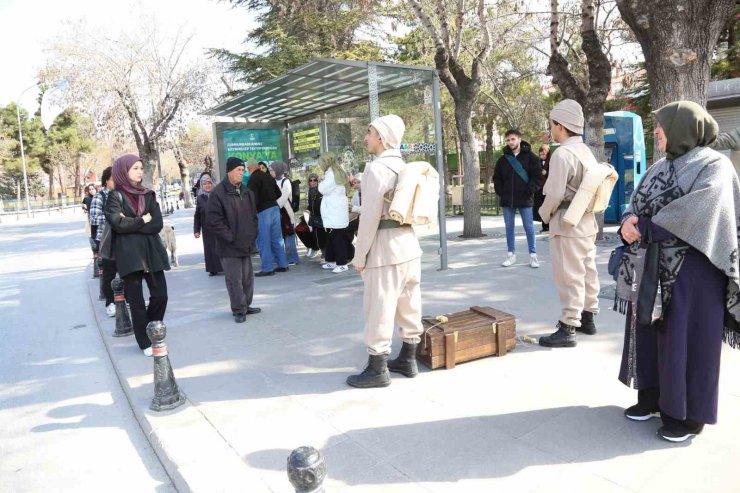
x=375 y=373
x=405 y=364
x=565 y=336
x=587 y=323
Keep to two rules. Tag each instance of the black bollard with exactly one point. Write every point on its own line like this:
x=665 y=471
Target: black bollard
x=167 y=395
x=307 y=470
x=99 y=267
x=124 y=327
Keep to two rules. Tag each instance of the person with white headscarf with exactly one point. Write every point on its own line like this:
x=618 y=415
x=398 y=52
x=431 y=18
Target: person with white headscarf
x=388 y=256
x=279 y=171
x=213 y=261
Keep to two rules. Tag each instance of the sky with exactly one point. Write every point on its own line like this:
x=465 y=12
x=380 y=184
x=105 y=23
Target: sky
x=26 y=26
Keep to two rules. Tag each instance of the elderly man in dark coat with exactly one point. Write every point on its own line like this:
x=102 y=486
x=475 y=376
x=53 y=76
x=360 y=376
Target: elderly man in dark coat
x=232 y=219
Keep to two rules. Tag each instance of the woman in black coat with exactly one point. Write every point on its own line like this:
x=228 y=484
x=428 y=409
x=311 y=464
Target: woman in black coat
x=136 y=220
x=316 y=239
x=213 y=262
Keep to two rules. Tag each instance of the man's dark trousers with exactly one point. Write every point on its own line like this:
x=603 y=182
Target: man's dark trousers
x=239 y=282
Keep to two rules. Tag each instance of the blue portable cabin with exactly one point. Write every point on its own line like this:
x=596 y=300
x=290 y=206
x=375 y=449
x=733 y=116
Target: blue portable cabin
x=624 y=143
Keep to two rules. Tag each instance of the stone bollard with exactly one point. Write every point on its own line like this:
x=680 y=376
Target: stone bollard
x=124 y=327
x=167 y=395
x=99 y=268
x=307 y=470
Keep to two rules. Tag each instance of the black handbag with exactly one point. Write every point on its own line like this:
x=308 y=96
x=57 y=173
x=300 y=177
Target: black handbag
x=315 y=221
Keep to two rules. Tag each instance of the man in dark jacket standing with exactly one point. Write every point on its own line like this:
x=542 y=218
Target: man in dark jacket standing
x=270 y=237
x=232 y=219
x=516 y=178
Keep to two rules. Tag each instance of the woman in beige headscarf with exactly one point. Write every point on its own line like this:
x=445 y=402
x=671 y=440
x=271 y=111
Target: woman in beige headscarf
x=335 y=214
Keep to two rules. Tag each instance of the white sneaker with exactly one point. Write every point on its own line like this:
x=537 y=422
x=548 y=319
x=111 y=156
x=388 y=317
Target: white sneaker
x=309 y=253
x=533 y=261
x=316 y=253
x=511 y=260
x=329 y=265
x=110 y=310
x=147 y=351
x=340 y=268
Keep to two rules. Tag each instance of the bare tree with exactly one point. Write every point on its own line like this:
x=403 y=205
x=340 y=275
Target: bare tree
x=678 y=38
x=463 y=86
x=591 y=96
x=195 y=145
x=136 y=85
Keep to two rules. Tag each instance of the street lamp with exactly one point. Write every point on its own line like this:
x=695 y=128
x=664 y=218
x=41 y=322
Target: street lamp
x=23 y=154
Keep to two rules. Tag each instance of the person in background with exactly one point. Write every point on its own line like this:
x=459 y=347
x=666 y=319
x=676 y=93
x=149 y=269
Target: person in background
x=678 y=279
x=232 y=219
x=270 y=234
x=539 y=196
x=133 y=213
x=97 y=222
x=315 y=238
x=355 y=205
x=279 y=170
x=200 y=227
x=263 y=167
x=196 y=186
x=335 y=214
x=516 y=178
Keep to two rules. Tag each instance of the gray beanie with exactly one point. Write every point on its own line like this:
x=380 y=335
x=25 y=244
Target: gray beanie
x=569 y=114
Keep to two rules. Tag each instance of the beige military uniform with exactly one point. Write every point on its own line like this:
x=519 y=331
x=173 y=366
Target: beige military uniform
x=572 y=248
x=392 y=261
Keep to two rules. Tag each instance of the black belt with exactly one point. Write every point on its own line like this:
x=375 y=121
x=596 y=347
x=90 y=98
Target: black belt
x=391 y=224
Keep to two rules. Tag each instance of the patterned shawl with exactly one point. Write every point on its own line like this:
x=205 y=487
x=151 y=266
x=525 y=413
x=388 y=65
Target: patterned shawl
x=695 y=197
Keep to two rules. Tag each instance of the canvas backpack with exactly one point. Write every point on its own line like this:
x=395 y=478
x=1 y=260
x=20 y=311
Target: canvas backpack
x=595 y=190
x=416 y=204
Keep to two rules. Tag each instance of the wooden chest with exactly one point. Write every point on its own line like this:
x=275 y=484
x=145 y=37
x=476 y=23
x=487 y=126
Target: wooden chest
x=476 y=333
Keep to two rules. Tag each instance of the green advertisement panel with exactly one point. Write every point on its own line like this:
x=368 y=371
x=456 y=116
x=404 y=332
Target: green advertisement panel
x=260 y=144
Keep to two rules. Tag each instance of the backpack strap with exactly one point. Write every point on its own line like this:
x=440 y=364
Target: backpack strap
x=518 y=168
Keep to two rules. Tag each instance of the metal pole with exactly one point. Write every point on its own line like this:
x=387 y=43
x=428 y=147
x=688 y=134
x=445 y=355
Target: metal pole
x=23 y=153
x=159 y=167
x=437 y=108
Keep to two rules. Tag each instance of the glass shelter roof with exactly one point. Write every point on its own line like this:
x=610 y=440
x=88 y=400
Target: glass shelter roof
x=318 y=86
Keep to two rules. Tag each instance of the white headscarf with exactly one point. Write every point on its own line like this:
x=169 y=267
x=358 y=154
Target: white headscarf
x=391 y=129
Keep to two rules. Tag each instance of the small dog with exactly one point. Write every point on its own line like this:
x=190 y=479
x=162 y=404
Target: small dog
x=170 y=243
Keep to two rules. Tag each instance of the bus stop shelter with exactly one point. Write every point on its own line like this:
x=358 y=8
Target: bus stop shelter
x=325 y=106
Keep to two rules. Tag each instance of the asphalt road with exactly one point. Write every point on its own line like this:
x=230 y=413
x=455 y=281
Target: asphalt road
x=65 y=424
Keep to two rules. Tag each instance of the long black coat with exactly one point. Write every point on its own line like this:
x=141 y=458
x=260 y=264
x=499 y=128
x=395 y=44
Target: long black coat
x=232 y=219
x=511 y=189
x=136 y=244
x=213 y=262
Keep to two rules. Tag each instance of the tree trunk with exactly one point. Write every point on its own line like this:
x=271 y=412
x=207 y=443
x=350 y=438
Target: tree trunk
x=208 y=161
x=471 y=179
x=148 y=155
x=51 y=182
x=184 y=178
x=489 y=155
x=678 y=39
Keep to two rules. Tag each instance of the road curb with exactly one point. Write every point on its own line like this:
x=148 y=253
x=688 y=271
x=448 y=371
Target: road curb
x=195 y=456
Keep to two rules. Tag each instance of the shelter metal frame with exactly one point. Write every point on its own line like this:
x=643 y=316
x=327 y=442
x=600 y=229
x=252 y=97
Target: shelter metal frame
x=327 y=84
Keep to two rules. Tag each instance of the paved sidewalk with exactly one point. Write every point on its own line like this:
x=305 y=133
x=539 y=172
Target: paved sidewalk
x=535 y=420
